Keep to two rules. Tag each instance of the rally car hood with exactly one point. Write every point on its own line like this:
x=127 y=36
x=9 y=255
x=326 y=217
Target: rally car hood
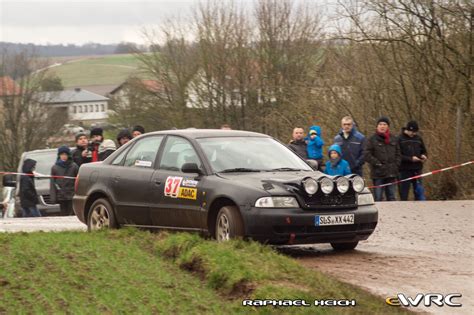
x=273 y=182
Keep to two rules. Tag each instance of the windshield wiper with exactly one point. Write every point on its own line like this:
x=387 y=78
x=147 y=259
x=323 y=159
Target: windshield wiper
x=283 y=169
x=239 y=169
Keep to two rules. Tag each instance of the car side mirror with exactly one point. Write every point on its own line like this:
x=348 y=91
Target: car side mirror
x=9 y=181
x=191 y=168
x=314 y=164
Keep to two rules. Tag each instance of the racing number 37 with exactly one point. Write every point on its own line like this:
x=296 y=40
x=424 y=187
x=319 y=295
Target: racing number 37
x=172 y=186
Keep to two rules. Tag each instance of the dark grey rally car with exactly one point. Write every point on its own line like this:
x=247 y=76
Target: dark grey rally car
x=225 y=183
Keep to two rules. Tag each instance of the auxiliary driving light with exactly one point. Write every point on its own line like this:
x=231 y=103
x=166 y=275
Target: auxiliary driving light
x=310 y=186
x=358 y=183
x=327 y=185
x=342 y=184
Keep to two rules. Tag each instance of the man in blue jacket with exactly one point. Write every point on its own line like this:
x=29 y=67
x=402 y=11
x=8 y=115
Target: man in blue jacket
x=352 y=144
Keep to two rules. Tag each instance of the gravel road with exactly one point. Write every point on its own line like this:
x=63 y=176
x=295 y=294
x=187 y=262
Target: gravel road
x=417 y=247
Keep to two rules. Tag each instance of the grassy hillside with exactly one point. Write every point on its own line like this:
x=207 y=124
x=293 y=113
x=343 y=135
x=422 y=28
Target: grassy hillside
x=131 y=271
x=99 y=70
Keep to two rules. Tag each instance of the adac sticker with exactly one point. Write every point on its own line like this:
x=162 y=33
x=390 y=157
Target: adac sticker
x=187 y=193
x=172 y=186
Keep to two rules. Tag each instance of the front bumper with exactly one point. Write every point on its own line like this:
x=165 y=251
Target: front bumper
x=296 y=226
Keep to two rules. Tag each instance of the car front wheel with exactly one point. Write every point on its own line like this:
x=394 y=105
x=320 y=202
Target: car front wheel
x=344 y=246
x=101 y=216
x=229 y=224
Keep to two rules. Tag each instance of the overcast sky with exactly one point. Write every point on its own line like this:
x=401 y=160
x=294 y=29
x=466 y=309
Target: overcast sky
x=70 y=21
x=99 y=21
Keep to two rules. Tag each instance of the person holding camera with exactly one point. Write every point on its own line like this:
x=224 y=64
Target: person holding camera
x=97 y=138
x=81 y=155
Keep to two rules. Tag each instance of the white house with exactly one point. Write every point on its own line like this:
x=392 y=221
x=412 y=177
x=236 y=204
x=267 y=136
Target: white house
x=81 y=105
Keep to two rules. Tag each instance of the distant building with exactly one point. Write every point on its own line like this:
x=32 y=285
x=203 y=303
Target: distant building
x=82 y=106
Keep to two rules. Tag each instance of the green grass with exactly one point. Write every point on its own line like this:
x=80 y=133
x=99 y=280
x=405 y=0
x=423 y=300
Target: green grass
x=131 y=271
x=106 y=70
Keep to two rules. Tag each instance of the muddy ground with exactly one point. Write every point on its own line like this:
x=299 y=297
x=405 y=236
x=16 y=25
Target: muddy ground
x=417 y=247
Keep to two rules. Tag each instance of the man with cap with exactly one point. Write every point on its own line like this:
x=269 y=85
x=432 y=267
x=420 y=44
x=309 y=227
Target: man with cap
x=414 y=154
x=81 y=155
x=137 y=130
x=97 y=138
x=123 y=137
x=62 y=189
x=382 y=152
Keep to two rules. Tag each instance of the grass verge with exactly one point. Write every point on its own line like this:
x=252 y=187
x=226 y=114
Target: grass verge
x=131 y=271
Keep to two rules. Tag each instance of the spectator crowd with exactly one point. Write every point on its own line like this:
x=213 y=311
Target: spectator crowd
x=389 y=156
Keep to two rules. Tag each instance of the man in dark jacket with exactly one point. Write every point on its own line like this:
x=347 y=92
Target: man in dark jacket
x=97 y=137
x=62 y=189
x=382 y=152
x=28 y=194
x=414 y=154
x=298 y=145
x=352 y=143
x=81 y=155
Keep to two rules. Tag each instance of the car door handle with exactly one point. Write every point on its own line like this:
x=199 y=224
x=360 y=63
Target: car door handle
x=157 y=182
x=116 y=178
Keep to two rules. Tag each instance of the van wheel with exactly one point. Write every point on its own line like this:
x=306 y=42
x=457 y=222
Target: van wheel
x=344 y=246
x=229 y=224
x=101 y=216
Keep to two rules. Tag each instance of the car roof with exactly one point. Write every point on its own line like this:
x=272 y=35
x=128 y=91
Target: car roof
x=209 y=133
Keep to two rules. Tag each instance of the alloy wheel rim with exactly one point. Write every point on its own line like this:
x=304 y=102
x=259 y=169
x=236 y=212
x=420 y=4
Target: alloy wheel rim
x=100 y=218
x=223 y=228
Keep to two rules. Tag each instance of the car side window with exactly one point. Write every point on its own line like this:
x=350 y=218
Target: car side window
x=176 y=153
x=119 y=159
x=143 y=153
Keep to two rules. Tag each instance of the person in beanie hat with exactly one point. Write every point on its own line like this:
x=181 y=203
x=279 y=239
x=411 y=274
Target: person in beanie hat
x=123 y=137
x=414 y=154
x=106 y=148
x=382 y=152
x=97 y=138
x=62 y=189
x=28 y=194
x=137 y=130
x=81 y=155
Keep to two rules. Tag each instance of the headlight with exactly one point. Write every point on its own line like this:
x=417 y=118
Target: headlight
x=327 y=185
x=365 y=199
x=277 y=202
x=342 y=184
x=310 y=186
x=358 y=183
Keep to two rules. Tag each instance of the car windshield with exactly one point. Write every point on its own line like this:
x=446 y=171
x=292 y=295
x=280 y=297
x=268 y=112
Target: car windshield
x=250 y=154
x=44 y=161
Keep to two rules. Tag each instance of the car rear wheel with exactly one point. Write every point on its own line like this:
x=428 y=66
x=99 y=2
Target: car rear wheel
x=101 y=216
x=229 y=224
x=344 y=246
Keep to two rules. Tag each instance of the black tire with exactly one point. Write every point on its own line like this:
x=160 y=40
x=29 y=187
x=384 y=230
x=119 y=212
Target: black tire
x=104 y=217
x=229 y=224
x=344 y=246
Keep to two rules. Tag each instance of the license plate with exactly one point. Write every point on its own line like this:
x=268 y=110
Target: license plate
x=335 y=219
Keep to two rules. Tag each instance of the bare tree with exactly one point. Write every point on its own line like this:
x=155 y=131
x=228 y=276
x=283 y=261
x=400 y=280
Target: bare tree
x=25 y=123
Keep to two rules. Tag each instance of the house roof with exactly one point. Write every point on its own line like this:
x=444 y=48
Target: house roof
x=8 y=87
x=150 y=85
x=70 y=96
